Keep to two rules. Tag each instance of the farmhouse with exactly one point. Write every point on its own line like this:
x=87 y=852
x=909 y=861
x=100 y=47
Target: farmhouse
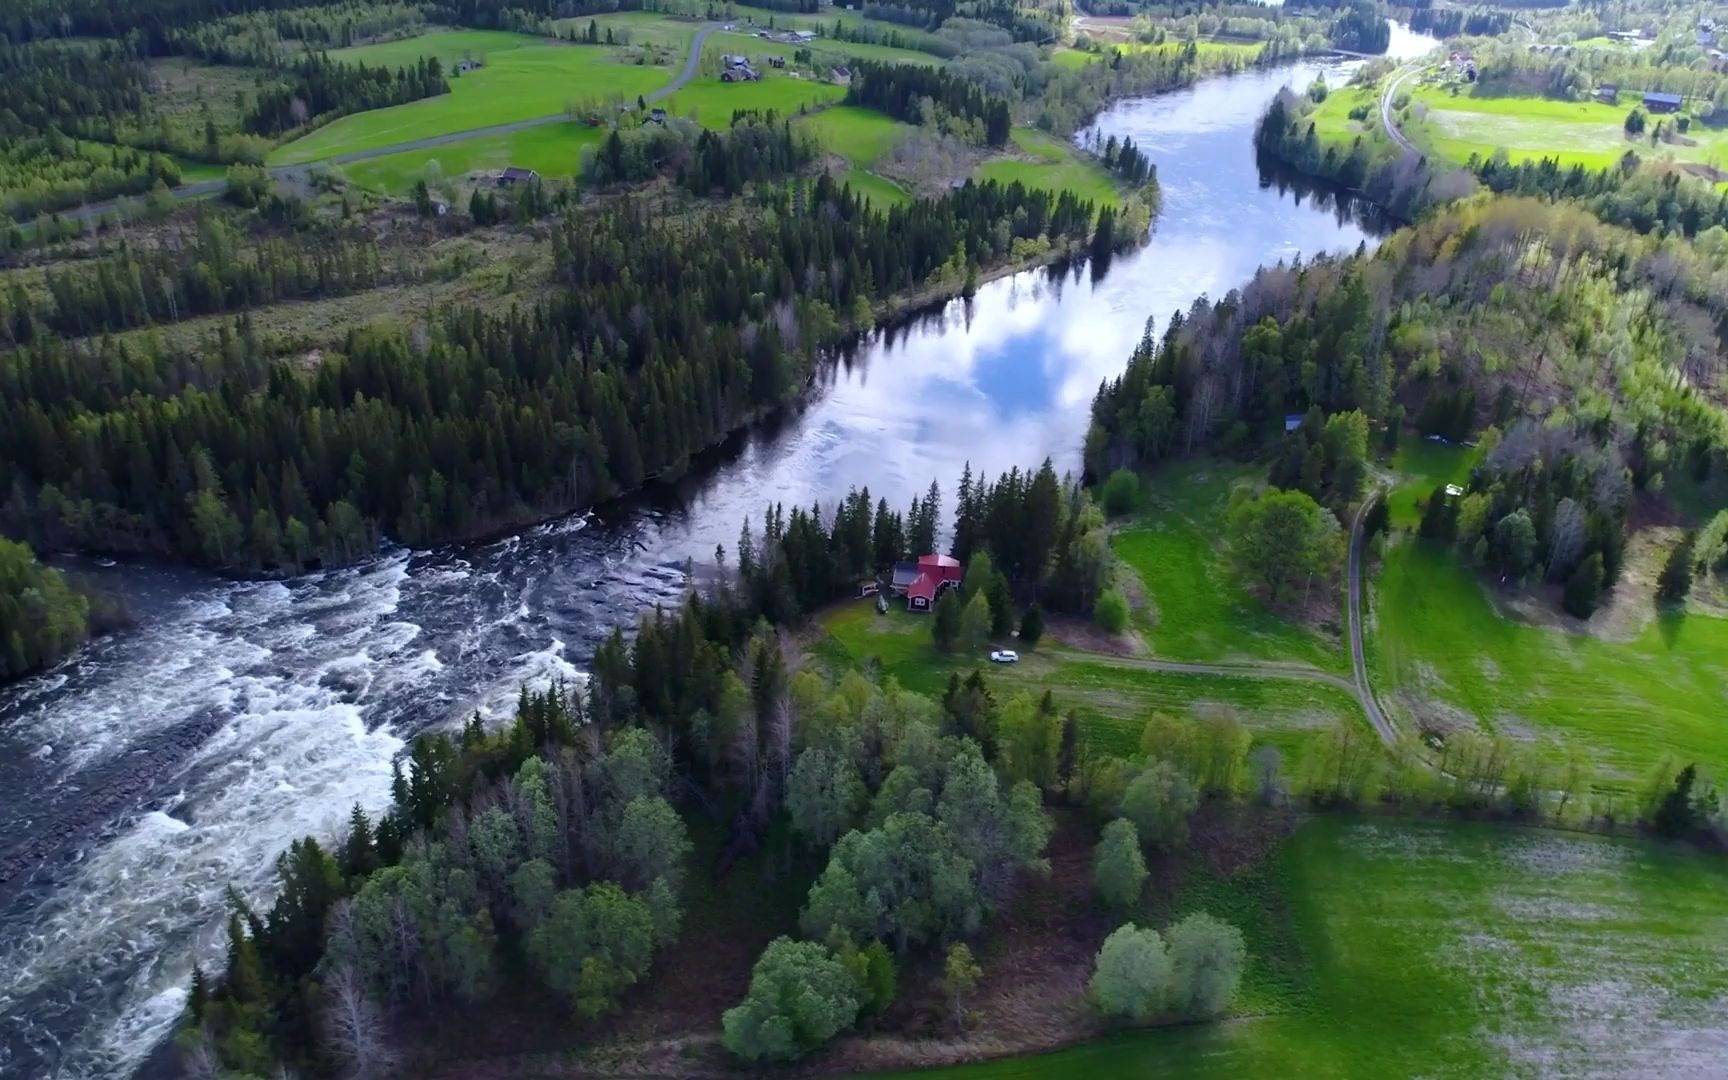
x=922 y=582
x=1663 y=103
x=463 y=67
x=1608 y=93
x=842 y=76
x=513 y=175
x=738 y=69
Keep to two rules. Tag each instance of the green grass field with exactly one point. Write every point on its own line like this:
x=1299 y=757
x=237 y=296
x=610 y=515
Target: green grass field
x=1112 y=696
x=1332 y=123
x=879 y=190
x=553 y=151
x=859 y=135
x=1197 y=610
x=1447 y=950
x=712 y=102
x=636 y=28
x=523 y=78
x=1587 y=133
x=1441 y=651
x=1049 y=163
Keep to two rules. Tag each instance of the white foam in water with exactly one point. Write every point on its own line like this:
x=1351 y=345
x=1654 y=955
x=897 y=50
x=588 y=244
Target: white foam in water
x=149 y=901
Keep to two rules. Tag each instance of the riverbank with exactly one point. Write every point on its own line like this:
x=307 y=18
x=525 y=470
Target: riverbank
x=242 y=715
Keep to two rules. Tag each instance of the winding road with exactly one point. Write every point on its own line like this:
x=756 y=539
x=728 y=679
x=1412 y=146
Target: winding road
x=1386 y=119
x=1356 y=686
x=206 y=188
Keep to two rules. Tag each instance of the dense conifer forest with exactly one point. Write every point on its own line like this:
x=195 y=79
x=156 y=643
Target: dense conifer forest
x=661 y=337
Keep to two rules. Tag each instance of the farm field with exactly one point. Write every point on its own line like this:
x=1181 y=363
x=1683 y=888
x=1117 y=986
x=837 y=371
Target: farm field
x=1196 y=609
x=553 y=150
x=1441 y=654
x=523 y=78
x=712 y=102
x=1049 y=163
x=635 y=28
x=744 y=15
x=1583 y=133
x=1476 y=950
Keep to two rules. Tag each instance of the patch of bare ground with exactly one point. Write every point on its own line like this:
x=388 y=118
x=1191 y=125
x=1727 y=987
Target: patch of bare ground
x=1087 y=637
x=1430 y=715
x=1628 y=607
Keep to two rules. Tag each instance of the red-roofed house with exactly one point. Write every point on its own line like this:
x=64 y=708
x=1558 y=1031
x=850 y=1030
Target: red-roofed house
x=934 y=573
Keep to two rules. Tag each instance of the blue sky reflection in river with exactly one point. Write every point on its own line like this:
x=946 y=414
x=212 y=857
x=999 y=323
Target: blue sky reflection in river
x=153 y=769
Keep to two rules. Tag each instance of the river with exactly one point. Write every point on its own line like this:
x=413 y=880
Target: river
x=157 y=767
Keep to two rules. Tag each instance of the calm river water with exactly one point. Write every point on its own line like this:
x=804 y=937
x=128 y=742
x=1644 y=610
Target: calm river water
x=162 y=765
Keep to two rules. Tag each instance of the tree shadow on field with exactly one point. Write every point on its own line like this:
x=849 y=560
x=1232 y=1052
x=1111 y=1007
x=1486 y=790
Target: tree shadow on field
x=1669 y=621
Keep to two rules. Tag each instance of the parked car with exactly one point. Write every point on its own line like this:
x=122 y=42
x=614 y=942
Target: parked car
x=1004 y=656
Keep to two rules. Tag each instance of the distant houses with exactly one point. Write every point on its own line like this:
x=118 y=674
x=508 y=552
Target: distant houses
x=513 y=175
x=1663 y=103
x=464 y=66
x=1608 y=93
x=738 y=69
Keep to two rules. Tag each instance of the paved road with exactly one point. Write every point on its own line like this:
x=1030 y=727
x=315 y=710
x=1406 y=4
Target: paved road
x=215 y=187
x=1386 y=118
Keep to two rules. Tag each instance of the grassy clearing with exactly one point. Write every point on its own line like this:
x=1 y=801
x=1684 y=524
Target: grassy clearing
x=553 y=151
x=879 y=190
x=1112 y=697
x=523 y=78
x=1441 y=650
x=712 y=102
x=1197 y=608
x=860 y=135
x=1588 y=133
x=1476 y=951
x=635 y=28
x=1422 y=466
x=743 y=15
x=1045 y=162
x=1332 y=122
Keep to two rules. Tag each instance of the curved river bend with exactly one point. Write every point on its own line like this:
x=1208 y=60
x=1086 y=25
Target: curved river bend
x=142 y=778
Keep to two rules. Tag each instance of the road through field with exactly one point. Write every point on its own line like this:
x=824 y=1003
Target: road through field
x=1357 y=685
x=293 y=172
x=1386 y=120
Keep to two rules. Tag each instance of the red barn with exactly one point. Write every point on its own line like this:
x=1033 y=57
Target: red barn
x=924 y=582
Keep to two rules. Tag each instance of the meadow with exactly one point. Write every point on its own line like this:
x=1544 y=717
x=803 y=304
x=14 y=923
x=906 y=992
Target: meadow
x=1196 y=609
x=1113 y=696
x=1587 y=133
x=552 y=150
x=1442 y=654
x=1454 y=950
x=523 y=78
x=1045 y=162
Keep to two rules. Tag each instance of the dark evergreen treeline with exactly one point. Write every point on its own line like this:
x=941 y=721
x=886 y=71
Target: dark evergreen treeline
x=1040 y=532
x=218 y=272
x=42 y=618
x=548 y=850
x=1457 y=22
x=323 y=89
x=900 y=90
x=665 y=337
x=78 y=89
x=1129 y=162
